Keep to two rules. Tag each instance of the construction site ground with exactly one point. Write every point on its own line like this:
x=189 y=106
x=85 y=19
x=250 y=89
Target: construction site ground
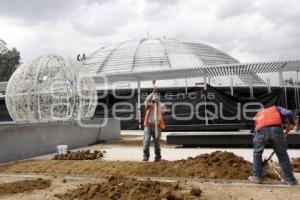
x=187 y=173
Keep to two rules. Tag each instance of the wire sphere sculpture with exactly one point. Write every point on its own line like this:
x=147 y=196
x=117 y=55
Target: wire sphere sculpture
x=50 y=88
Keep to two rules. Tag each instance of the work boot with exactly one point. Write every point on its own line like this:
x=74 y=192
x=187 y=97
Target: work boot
x=157 y=159
x=145 y=158
x=291 y=183
x=254 y=179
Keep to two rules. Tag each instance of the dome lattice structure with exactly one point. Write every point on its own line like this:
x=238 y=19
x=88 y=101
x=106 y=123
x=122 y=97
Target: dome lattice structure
x=50 y=88
x=158 y=54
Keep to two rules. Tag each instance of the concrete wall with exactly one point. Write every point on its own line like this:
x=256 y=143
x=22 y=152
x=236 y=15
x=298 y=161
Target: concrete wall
x=25 y=140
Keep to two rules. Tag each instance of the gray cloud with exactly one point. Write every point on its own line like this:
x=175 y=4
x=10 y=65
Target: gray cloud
x=232 y=8
x=33 y=11
x=101 y=19
x=36 y=11
x=249 y=30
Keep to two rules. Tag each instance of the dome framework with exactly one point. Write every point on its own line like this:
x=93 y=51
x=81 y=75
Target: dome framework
x=50 y=88
x=150 y=55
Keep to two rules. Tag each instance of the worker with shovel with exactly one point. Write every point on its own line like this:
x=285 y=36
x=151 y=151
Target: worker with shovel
x=269 y=128
x=153 y=124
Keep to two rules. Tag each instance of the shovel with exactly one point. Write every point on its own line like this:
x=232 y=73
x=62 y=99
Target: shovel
x=156 y=107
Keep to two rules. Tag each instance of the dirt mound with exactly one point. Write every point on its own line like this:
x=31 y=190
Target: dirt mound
x=296 y=164
x=23 y=186
x=132 y=189
x=79 y=155
x=217 y=165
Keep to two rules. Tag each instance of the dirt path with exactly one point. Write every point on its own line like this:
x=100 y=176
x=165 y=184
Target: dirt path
x=23 y=186
x=237 y=191
x=63 y=185
x=38 y=190
x=218 y=164
x=215 y=176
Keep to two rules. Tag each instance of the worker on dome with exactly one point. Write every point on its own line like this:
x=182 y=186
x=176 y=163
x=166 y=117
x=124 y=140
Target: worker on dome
x=269 y=127
x=153 y=124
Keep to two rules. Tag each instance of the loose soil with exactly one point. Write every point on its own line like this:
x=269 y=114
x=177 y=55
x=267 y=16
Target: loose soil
x=296 y=164
x=23 y=186
x=211 y=189
x=217 y=165
x=132 y=189
x=79 y=155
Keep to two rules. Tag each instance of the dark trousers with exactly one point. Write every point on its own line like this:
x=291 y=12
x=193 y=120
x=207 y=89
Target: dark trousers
x=275 y=136
x=149 y=131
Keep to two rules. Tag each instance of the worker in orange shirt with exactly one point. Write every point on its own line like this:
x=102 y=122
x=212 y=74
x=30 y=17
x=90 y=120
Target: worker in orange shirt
x=269 y=128
x=153 y=118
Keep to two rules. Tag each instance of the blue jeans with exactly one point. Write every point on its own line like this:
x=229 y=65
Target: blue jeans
x=275 y=136
x=148 y=132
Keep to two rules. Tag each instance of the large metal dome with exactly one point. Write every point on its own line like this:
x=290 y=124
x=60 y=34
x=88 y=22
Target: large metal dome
x=159 y=53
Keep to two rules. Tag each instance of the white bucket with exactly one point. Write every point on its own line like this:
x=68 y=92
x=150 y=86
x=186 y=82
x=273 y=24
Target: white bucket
x=62 y=149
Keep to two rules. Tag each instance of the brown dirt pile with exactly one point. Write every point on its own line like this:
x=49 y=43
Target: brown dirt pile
x=217 y=165
x=296 y=164
x=132 y=189
x=79 y=155
x=23 y=186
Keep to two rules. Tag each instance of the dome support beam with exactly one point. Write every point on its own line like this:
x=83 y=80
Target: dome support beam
x=206 y=70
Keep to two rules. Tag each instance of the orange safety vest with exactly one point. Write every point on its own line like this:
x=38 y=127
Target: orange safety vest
x=147 y=115
x=267 y=117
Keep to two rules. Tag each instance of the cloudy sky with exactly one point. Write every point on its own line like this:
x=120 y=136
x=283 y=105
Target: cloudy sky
x=249 y=30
